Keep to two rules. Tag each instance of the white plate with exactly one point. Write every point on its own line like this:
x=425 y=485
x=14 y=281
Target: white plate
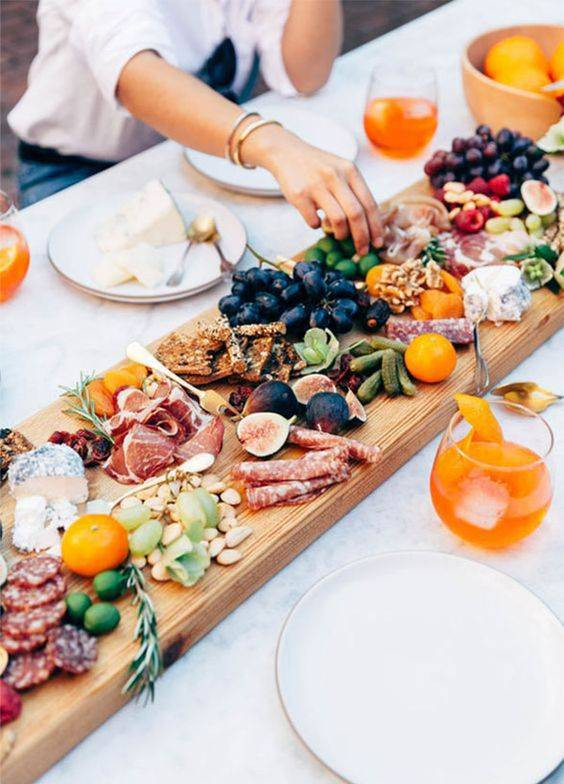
x=313 y=128
x=73 y=251
x=425 y=668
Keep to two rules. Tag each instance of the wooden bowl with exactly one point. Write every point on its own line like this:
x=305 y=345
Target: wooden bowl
x=497 y=104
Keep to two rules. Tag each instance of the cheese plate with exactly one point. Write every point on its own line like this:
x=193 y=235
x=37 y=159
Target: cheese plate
x=74 y=252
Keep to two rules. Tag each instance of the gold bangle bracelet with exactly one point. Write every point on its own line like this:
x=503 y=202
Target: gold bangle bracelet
x=236 y=123
x=246 y=133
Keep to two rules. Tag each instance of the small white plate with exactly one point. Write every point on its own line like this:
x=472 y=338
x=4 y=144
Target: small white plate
x=425 y=668
x=313 y=128
x=73 y=251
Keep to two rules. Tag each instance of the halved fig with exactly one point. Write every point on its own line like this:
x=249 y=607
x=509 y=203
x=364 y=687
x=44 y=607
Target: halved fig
x=263 y=433
x=307 y=386
x=356 y=409
x=539 y=197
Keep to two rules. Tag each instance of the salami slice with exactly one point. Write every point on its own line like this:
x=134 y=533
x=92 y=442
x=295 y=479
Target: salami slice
x=71 y=649
x=15 y=645
x=28 y=669
x=16 y=597
x=280 y=492
x=457 y=330
x=316 y=439
x=34 y=571
x=302 y=499
x=38 y=620
x=254 y=473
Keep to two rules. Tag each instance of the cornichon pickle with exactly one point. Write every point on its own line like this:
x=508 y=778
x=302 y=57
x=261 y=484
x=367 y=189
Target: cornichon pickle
x=367 y=363
x=407 y=386
x=378 y=342
x=370 y=387
x=390 y=373
x=361 y=348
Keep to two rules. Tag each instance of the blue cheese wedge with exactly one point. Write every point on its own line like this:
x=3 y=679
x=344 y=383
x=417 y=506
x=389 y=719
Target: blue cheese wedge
x=495 y=293
x=149 y=216
x=52 y=471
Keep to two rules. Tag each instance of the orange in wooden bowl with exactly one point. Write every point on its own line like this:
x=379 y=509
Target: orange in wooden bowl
x=513 y=104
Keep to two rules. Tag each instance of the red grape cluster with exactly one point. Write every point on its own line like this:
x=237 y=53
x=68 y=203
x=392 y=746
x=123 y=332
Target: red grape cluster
x=485 y=155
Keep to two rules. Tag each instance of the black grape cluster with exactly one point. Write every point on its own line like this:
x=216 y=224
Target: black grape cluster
x=485 y=155
x=312 y=297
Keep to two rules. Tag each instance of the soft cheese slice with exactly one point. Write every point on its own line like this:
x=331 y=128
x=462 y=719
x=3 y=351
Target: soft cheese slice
x=142 y=262
x=495 y=292
x=51 y=471
x=148 y=216
x=106 y=273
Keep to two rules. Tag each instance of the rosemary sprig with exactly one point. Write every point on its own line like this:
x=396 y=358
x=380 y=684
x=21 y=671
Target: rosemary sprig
x=84 y=407
x=147 y=663
x=434 y=252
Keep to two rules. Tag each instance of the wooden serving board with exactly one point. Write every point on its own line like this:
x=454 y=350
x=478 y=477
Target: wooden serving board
x=59 y=714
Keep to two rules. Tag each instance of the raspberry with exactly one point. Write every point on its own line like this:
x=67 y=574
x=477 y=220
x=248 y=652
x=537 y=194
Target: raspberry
x=500 y=185
x=486 y=211
x=470 y=221
x=479 y=185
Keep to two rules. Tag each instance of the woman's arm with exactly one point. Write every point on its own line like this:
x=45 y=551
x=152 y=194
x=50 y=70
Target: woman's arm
x=183 y=108
x=311 y=41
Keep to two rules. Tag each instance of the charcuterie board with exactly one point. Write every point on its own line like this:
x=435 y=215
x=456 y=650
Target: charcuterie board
x=63 y=711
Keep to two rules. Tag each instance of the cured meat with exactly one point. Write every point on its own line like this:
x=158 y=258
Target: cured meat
x=208 y=439
x=303 y=499
x=22 y=644
x=316 y=439
x=71 y=649
x=35 y=621
x=256 y=473
x=144 y=453
x=278 y=493
x=465 y=252
x=34 y=571
x=28 y=669
x=457 y=330
x=409 y=224
x=18 y=597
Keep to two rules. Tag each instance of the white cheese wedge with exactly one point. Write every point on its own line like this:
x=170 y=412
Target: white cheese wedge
x=106 y=273
x=142 y=262
x=495 y=292
x=148 y=216
x=52 y=471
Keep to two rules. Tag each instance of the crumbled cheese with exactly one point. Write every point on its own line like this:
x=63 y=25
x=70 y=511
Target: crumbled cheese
x=61 y=513
x=52 y=471
x=37 y=523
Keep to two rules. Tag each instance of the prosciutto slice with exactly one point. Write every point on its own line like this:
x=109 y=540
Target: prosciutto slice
x=316 y=439
x=144 y=453
x=465 y=252
x=282 y=492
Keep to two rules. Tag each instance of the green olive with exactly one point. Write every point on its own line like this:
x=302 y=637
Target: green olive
x=347 y=246
x=101 y=618
x=77 y=604
x=333 y=258
x=327 y=244
x=109 y=584
x=347 y=267
x=314 y=254
x=367 y=262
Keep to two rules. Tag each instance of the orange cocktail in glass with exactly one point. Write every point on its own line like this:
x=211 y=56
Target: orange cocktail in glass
x=494 y=492
x=401 y=114
x=14 y=252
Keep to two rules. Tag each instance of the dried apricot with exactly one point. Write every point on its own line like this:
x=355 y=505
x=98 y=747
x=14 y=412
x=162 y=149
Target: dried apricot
x=441 y=305
x=139 y=371
x=430 y=358
x=114 y=379
x=451 y=283
x=477 y=412
x=419 y=314
x=374 y=277
x=100 y=396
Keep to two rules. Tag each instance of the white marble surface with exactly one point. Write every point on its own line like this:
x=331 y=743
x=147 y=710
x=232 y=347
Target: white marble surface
x=217 y=717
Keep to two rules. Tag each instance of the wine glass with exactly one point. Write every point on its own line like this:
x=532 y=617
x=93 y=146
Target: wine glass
x=401 y=112
x=494 y=494
x=14 y=252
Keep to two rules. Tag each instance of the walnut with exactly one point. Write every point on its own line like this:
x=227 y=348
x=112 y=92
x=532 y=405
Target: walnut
x=433 y=277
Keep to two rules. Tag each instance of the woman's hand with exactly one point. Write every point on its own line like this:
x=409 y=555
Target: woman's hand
x=312 y=180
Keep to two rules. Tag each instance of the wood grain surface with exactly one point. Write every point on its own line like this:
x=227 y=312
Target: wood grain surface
x=57 y=715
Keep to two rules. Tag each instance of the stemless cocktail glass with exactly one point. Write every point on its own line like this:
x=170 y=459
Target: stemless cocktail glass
x=494 y=494
x=14 y=253
x=400 y=116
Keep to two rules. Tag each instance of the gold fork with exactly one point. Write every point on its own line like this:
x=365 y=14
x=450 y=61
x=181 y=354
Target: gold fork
x=211 y=401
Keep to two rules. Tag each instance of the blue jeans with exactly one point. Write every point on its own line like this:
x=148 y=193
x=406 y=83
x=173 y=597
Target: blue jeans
x=39 y=179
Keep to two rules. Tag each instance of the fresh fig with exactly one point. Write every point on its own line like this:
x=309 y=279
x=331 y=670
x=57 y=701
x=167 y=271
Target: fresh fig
x=307 y=386
x=356 y=409
x=538 y=197
x=327 y=411
x=274 y=396
x=263 y=433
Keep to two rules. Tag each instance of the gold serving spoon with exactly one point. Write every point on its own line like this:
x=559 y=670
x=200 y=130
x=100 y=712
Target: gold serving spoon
x=211 y=401
x=528 y=394
x=202 y=229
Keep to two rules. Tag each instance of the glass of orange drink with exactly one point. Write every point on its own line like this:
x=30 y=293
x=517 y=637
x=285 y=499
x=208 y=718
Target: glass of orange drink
x=490 y=482
x=14 y=252
x=401 y=114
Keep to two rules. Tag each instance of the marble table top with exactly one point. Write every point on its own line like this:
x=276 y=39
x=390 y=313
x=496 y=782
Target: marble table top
x=217 y=717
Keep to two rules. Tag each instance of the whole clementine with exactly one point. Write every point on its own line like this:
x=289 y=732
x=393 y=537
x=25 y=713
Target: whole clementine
x=94 y=543
x=512 y=52
x=557 y=62
x=430 y=358
x=524 y=77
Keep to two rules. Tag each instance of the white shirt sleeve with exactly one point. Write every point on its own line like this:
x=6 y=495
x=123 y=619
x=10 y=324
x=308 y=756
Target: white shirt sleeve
x=268 y=18
x=110 y=33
